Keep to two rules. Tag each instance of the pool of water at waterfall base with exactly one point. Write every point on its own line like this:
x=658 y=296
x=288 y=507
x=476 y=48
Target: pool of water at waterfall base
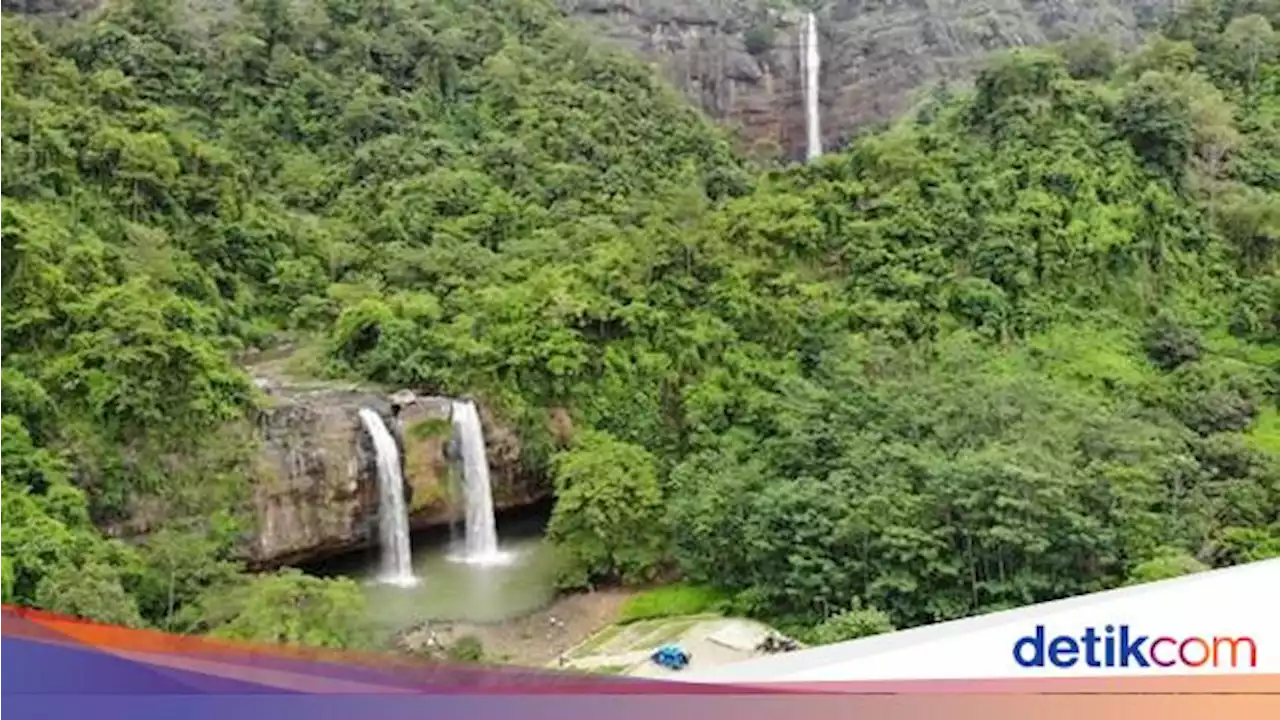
x=451 y=589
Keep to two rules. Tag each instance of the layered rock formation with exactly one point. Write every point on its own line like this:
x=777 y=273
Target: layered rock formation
x=740 y=59
x=316 y=491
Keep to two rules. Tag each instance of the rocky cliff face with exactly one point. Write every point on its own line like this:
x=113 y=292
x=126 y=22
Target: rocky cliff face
x=740 y=59
x=317 y=484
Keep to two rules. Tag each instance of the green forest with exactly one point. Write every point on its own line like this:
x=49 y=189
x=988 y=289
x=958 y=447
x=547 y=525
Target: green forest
x=1021 y=345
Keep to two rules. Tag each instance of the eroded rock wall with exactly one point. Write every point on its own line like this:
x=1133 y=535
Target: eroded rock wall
x=740 y=59
x=316 y=491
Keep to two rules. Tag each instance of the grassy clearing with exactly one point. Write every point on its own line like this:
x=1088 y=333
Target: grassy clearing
x=671 y=601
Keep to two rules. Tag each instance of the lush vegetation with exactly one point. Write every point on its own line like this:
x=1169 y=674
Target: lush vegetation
x=671 y=600
x=1019 y=347
x=183 y=183
x=1022 y=345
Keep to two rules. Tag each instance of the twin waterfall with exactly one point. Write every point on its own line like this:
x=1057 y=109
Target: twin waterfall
x=810 y=61
x=393 y=516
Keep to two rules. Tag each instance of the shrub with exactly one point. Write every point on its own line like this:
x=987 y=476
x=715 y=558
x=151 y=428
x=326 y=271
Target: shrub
x=467 y=648
x=851 y=624
x=760 y=39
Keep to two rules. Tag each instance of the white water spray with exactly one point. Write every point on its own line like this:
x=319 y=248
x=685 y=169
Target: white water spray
x=393 y=519
x=811 y=60
x=481 y=530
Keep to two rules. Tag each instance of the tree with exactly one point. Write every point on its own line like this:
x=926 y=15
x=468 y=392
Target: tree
x=1163 y=55
x=180 y=565
x=1157 y=120
x=286 y=607
x=1170 y=344
x=92 y=590
x=1089 y=57
x=1199 y=22
x=35 y=544
x=1242 y=545
x=6 y=577
x=1170 y=563
x=27 y=465
x=1251 y=220
x=1249 y=42
x=608 y=519
x=1213 y=120
x=850 y=624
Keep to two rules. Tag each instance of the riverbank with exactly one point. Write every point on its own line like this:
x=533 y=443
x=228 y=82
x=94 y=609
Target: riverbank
x=535 y=639
x=608 y=631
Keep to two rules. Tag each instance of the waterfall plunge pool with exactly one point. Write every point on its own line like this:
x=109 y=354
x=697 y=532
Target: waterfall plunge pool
x=450 y=589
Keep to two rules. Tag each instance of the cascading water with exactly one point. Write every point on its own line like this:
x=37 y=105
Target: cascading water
x=481 y=530
x=811 y=60
x=393 y=519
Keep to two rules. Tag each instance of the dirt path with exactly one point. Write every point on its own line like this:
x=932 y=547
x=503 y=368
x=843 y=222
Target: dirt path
x=535 y=640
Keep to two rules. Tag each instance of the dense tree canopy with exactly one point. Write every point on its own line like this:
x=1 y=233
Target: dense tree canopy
x=1023 y=344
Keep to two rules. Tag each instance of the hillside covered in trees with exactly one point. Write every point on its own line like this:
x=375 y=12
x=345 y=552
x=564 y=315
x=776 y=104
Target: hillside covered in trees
x=1024 y=344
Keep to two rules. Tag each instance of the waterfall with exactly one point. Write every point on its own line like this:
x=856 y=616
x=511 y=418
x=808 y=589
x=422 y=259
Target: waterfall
x=481 y=530
x=810 y=60
x=393 y=519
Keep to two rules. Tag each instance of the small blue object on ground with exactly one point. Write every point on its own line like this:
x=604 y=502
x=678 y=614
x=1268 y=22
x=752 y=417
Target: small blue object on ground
x=672 y=657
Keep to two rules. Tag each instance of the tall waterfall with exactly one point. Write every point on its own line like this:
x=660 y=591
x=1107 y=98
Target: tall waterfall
x=481 y=530
x=811 y=60
x=393 y=519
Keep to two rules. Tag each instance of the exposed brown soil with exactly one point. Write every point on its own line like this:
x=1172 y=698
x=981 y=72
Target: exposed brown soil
x=537 y=639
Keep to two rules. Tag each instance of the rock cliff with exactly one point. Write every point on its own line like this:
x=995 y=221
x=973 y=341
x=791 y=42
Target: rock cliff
x=740 y=59
x=316 y=488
